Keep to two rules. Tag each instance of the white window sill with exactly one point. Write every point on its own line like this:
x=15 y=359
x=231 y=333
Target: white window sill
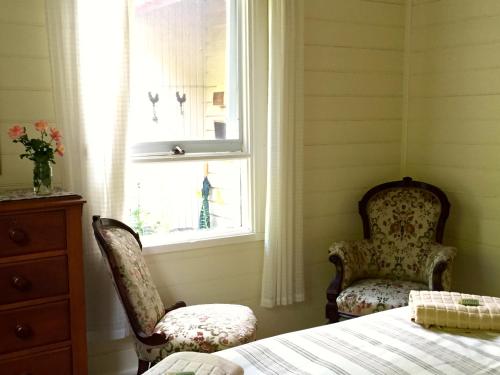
x=159 y=245
x=170 y=157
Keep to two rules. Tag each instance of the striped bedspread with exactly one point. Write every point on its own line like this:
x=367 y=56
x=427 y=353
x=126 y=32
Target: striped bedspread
x=382 y=343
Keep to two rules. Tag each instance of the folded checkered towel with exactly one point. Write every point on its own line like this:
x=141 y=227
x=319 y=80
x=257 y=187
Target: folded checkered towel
x=195 y=363
x=445 y=309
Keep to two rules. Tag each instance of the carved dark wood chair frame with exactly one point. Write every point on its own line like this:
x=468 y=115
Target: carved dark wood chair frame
x=155 y=339
x=334 y=289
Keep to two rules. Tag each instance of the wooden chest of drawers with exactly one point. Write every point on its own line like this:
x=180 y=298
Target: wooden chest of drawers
x=42 y=310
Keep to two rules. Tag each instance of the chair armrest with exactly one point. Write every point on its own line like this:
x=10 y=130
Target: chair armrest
x=155 y=339
x=439 y=265
x=175 y=306
x=158 y=338
x=350 y=259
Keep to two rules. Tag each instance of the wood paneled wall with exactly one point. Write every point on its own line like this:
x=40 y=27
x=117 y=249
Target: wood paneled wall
x=353 y=94
x=25 y=84
x=454 y=127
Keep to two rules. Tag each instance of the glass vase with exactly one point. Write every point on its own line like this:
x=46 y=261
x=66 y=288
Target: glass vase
x=42 y=178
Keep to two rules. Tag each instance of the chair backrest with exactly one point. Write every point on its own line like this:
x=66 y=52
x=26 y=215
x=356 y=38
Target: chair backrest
x=402 y=218
x=122 y=249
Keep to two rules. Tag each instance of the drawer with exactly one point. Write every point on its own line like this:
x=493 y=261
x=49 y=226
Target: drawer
x=34 y=279
x=48 y=363
x=32 y=232
x=33 y=326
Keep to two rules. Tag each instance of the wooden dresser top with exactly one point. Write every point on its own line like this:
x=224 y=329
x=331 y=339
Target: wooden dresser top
x=19 y=199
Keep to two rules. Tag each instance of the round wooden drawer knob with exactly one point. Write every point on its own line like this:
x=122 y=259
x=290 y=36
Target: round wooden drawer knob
x=17 y=235
x=24 y=331
x=20 y=283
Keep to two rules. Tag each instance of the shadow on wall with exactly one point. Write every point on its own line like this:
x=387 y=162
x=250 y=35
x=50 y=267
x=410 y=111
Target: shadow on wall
x=467 y=272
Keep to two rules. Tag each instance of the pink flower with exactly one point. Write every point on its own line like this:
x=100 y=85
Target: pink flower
x=40 y=148
x=16 y=131
x=59 y=149
x=41 y=125
x=55 y=135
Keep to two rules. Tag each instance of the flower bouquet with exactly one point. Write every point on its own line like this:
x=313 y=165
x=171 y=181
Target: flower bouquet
x=41 y=150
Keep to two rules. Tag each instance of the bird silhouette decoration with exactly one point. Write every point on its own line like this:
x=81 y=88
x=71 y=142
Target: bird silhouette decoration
x=181 y=100
x=154 y=100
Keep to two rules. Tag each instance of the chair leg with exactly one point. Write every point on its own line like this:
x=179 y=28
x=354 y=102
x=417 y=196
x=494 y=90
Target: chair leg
x=143 y=366
x=333 y=291
x=331 y=312
x=331 y=308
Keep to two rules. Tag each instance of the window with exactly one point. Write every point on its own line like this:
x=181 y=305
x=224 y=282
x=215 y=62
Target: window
x=189 y=178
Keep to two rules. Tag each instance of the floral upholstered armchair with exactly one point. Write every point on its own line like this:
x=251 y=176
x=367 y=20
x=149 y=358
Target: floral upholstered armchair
x=160 y=331
x=403 y=224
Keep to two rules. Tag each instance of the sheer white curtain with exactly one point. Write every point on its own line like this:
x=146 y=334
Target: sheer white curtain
x=283 y=275
x=89 y=58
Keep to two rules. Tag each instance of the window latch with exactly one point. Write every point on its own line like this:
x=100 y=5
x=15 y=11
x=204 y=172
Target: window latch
x=177 y=150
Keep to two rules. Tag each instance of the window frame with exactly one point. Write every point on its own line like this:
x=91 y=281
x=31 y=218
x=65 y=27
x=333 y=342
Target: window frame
x=142 y=150
x=249 y=34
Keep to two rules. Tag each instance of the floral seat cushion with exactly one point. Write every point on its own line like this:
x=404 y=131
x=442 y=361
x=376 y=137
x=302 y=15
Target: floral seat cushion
x=202 y=328
x=367 y=296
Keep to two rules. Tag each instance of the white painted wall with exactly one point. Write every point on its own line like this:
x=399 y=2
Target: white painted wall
x=453 y=127
x=25 y=84
x=353 y=94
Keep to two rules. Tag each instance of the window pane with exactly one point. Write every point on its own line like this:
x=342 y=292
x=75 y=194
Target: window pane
x=172 y=201
x=179 y=70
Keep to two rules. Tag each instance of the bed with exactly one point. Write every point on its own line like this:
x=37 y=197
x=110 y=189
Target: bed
x=382 y=343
